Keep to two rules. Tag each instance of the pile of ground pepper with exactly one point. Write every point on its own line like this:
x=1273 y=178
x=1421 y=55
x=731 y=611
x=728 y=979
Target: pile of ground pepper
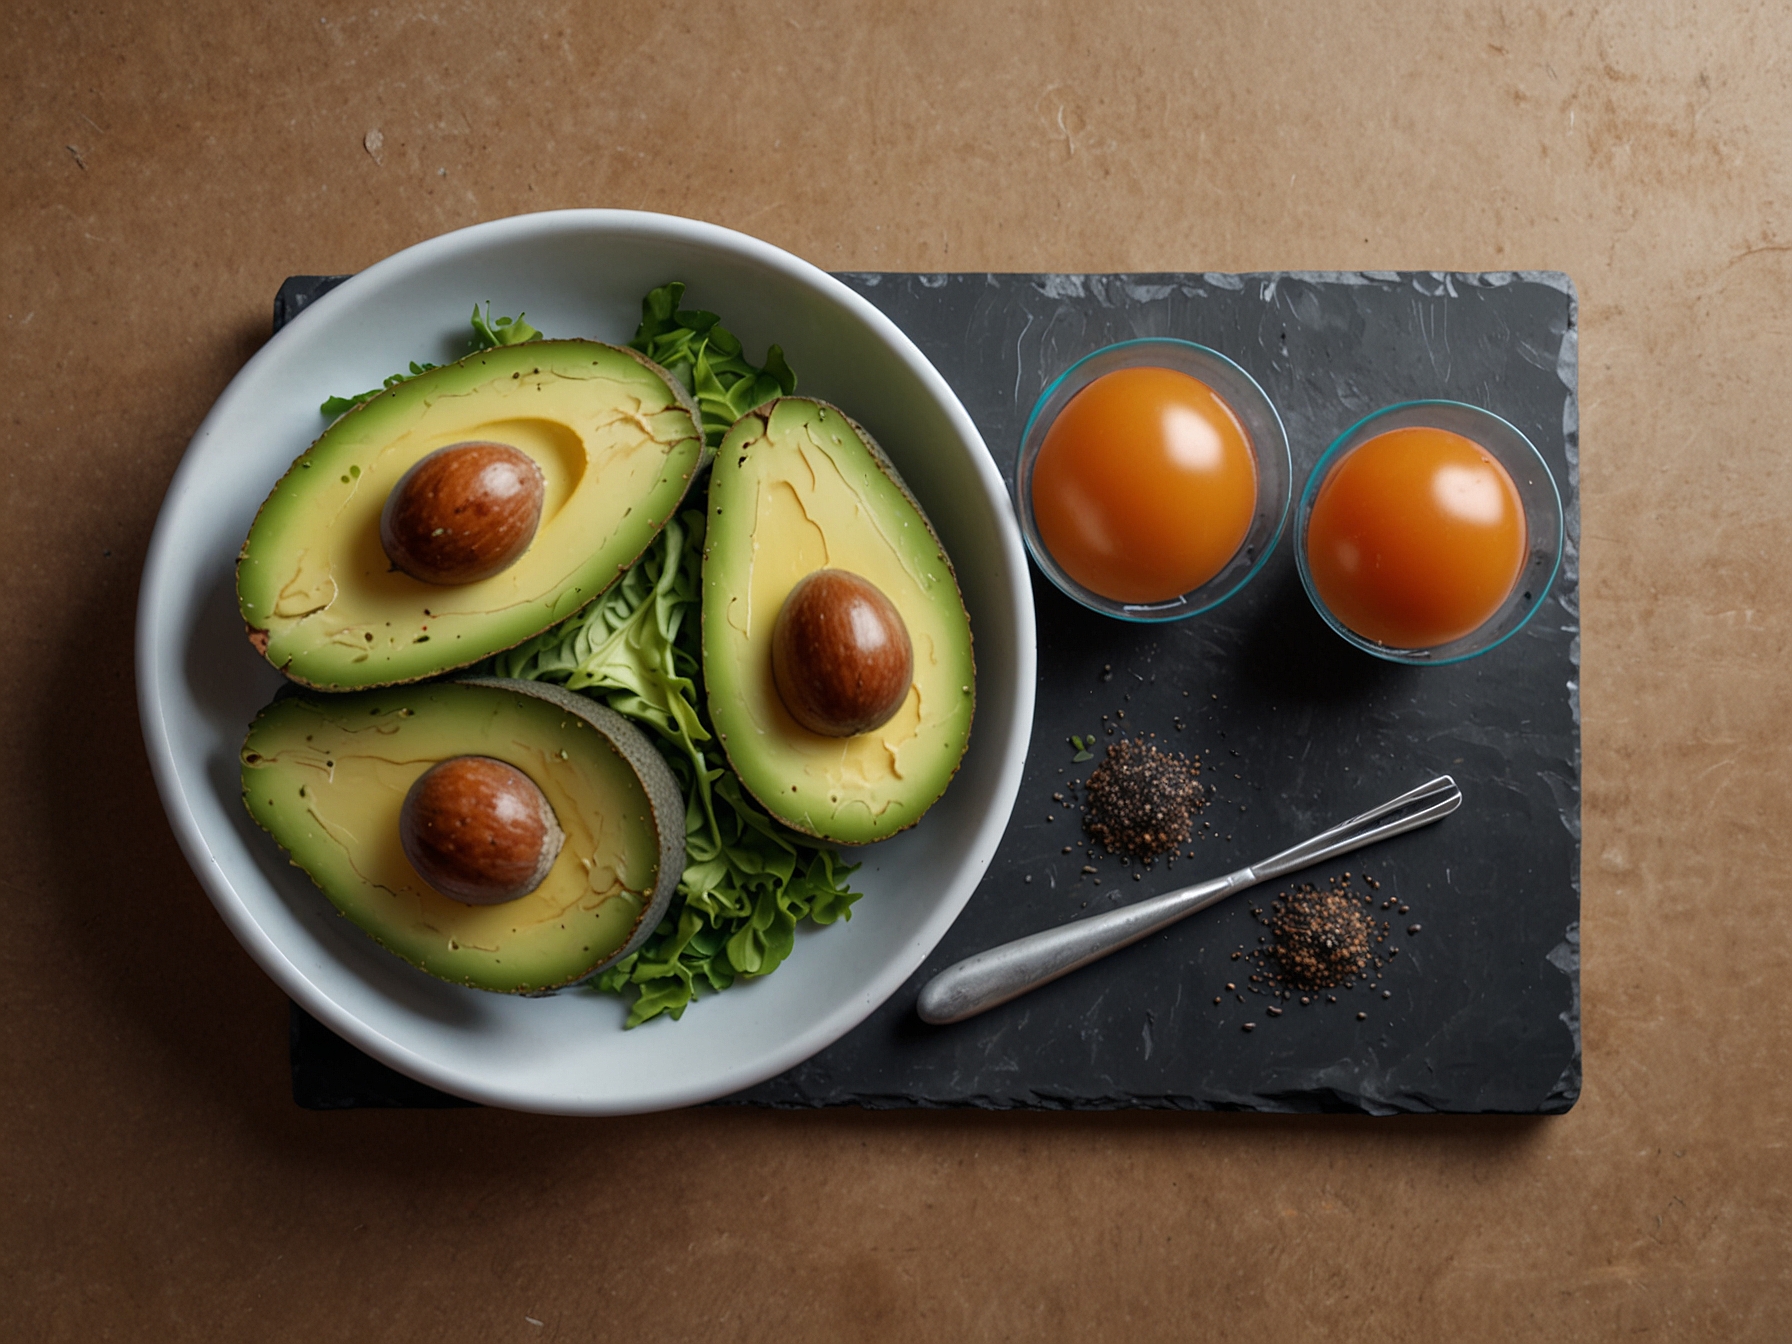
x=1141 y=801
x=1319 y=938
x=1322 y=938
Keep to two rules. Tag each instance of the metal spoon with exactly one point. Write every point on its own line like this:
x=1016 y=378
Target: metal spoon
x=1006 y=972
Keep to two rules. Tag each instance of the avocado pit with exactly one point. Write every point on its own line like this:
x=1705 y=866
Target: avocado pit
x=842 y=660
x=463 y=513
x=479 y=830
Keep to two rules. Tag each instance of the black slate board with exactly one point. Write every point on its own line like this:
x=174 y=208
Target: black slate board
x=1297 y=729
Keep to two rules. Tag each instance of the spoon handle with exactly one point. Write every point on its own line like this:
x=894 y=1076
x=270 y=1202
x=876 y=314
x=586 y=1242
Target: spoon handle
x=1010 y=970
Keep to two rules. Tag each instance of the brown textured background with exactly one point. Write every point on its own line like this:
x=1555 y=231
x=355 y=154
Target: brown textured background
x=165 y=166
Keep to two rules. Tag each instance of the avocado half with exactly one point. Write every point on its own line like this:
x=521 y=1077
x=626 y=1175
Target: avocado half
x=326 y=776
x=618 y=441
x=797 y=487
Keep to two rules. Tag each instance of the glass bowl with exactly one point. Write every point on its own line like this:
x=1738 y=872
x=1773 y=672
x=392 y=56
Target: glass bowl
x=1269 y=446
x=1536 y=492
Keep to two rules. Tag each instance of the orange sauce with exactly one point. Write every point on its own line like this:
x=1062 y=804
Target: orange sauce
x=1416 y=538
x=1145 y=485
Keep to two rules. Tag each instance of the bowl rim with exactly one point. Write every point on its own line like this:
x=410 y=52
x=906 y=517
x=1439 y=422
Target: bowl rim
x=1509 y=436
x=161 y=647
x=1180 y=608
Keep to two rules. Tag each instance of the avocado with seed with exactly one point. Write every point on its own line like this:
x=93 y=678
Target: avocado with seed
x=328 y=777
x=798 y=488
x=616 y=441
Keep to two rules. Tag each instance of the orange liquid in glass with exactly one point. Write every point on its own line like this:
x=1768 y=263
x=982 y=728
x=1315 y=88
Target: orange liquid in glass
x=1145 y=485
x=1416 y=538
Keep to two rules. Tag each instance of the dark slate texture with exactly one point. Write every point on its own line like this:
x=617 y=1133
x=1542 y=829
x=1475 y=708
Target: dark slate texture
x=329 y=1074
x=1296 y=728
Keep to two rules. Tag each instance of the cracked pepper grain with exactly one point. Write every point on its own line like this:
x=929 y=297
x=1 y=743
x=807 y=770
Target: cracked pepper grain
x=1141 y=801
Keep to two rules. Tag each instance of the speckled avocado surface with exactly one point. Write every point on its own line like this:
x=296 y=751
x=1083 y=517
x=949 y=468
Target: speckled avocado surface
x=617 y=441
x=327 y=775
x=798 y=487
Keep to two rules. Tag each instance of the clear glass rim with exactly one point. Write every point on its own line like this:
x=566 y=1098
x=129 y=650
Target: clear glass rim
x=1269 y=445
x=1538 y=493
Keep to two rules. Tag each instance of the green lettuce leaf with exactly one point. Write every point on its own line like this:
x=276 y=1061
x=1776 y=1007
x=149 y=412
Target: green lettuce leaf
x=707 y=358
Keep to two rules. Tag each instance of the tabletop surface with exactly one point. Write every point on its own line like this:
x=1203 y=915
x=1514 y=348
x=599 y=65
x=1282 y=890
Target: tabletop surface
x=168 y=166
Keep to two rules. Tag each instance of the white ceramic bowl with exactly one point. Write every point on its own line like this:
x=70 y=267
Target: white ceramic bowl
x=575 y=273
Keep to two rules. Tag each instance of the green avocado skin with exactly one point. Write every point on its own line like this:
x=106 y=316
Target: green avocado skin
x=617 y=438
x=797 y=486
x=326 y=776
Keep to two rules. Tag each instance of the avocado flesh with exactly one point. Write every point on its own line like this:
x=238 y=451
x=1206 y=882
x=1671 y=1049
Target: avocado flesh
x=616 y=438
x=798 y=487
x=326 y=776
